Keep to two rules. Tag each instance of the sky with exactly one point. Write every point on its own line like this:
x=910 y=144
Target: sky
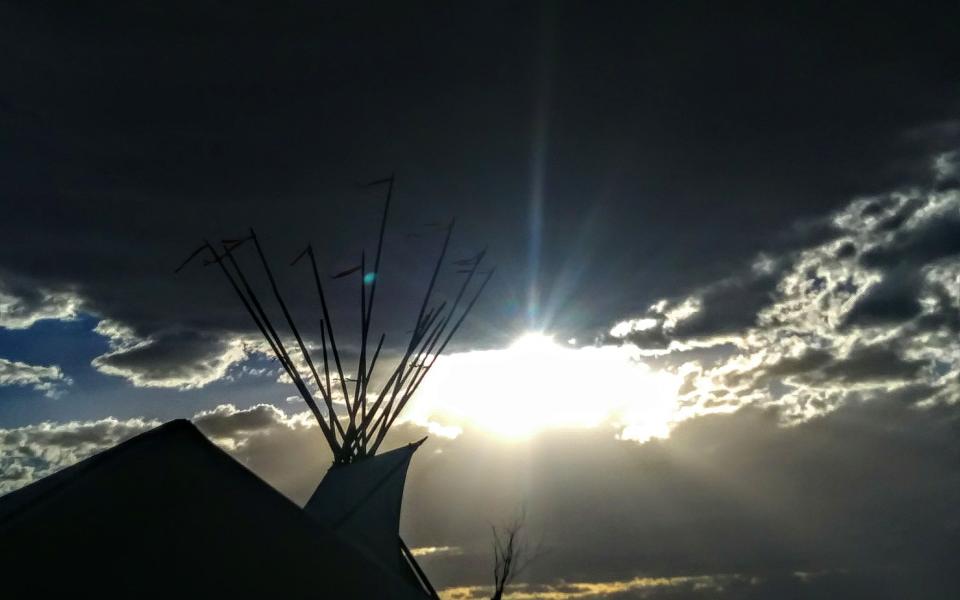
x=719 y=357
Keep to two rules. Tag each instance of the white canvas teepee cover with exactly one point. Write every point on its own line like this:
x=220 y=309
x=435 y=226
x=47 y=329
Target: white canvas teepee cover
x=361 y=502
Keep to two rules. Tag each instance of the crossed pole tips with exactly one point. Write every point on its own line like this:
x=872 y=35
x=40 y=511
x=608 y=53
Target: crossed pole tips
x=354 y=421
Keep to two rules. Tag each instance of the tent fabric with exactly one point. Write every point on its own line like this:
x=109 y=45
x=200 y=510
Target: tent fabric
x=167 y=513
x=361 y=501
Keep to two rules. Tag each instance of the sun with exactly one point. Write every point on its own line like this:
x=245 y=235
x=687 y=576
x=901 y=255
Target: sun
x=537 y=384
x=534 y=341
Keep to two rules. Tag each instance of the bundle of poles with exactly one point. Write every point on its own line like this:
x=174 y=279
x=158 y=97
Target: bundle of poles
x=358 y=427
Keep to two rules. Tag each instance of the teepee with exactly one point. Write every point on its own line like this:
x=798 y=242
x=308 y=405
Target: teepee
x=169 y=514
x=360 y=496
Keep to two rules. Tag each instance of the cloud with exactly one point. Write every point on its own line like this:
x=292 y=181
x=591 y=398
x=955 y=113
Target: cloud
x=866 y=308
x=870 y=310
x=731 y=305
x=169 y=359
x=85 y=176
x=47 y=379
x=431 y=550
x=724 y=494
x=892 y=300
x=860 y=503
x=946 y=166
x=537 y=384
x=234 y=428
x=863 y=364
x=872 y=363
x=694 y=586
x=22 y=305
x=840 y=583
x=935 y=236
x=79 y=243
x=646 y=333
x=35 y=451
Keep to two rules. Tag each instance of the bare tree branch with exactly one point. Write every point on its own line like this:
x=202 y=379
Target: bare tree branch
x=512 y=553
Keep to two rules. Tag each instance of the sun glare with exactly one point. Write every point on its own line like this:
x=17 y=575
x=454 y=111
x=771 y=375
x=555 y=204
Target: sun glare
x=537 y=384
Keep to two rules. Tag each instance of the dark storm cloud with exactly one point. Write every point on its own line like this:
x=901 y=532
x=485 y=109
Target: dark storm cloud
x=22 y=305
x=935 y=240
x=181 y=359
x=806 y=232
x=730 y=306
x=896 y=298
x=892 y=301
x=900 y=217
x=872 y=363
x=129 y=139
x=943 y=316
x=734 y=303
x=864 y=364
x=808 y=361
x=868 y=311
x=912 y=393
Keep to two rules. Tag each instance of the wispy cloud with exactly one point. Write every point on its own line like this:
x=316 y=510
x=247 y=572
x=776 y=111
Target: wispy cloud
x=47 y=379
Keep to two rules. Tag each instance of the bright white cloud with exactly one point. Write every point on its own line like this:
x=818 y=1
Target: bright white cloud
x=624 y=328
x=435 y=550
x=537 y=384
